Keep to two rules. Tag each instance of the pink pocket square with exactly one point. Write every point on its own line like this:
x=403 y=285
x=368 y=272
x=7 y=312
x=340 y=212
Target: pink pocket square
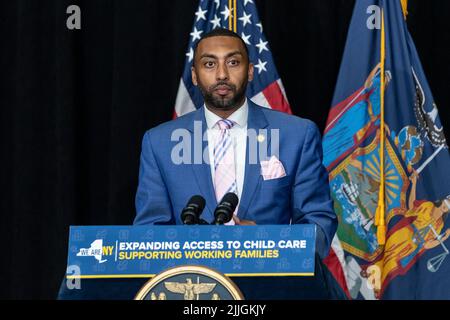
x=272 y=169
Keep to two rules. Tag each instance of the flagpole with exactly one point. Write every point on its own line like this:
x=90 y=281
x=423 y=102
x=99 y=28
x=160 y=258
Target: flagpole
x=232 y=19
x=230 y=6
x=404 y=4
x=381 y=209
x=235 y=16
x=380 y=213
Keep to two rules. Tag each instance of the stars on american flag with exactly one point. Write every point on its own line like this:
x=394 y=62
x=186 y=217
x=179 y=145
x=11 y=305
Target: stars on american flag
x=215 y=22
x=259 y=25
x=196 y=34
x=226 y=13
x=261 y=66
x=249 y=28
x=200 y=14
x=262 y=45
x=245 y=38
x=190 y=54
x=245 y=19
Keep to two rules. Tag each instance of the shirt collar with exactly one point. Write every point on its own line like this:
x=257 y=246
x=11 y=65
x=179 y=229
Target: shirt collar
x=239 y=117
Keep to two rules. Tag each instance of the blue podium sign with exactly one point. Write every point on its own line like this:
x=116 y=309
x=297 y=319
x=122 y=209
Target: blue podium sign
x=144 y=251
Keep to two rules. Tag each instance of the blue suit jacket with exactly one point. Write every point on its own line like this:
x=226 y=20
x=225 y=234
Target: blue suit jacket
x=302 y=196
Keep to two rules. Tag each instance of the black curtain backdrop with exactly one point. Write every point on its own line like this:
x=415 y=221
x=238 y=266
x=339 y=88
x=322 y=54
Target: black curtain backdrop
x=76 y=103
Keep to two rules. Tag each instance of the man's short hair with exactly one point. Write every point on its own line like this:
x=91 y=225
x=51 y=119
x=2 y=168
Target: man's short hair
x=221 y=32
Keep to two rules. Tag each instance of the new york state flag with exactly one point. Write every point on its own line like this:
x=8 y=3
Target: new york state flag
x=388 y=163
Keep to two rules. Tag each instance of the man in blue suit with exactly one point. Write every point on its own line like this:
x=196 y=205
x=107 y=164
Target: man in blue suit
x=271 y=160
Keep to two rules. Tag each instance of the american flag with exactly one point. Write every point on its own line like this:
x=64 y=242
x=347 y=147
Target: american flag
x=266 y=88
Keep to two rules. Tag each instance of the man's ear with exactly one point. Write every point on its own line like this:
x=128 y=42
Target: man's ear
x=194 y=76
x=250 y=72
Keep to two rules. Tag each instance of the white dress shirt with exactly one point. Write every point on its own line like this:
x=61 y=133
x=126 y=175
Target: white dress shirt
x=238 y=135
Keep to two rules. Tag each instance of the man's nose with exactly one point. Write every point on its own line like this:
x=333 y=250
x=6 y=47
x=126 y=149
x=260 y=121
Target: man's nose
x=222 y=72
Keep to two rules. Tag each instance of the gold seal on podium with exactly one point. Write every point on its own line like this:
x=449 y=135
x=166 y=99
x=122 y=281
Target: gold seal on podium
x=189 y=283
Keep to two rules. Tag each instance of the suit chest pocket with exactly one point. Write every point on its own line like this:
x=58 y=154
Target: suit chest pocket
x=276 y=183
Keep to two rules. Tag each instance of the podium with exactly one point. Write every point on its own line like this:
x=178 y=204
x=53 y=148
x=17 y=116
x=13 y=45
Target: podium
x=319 y=285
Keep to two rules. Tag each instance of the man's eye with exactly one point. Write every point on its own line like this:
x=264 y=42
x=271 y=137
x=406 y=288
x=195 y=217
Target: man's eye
x=209 y=64
x=233 y=62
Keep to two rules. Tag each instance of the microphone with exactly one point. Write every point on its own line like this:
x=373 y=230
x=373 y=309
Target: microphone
x=225 y=209
x=191 y=213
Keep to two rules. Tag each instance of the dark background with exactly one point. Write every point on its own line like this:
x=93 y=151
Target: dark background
x=74 y=106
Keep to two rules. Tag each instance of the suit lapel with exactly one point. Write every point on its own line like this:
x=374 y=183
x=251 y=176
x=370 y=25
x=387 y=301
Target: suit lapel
x=202 y=170
x=256 y=121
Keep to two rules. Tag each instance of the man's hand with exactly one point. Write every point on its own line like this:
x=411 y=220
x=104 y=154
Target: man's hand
x=240 y=222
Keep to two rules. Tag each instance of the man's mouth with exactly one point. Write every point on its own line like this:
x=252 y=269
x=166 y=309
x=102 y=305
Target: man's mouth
x=222 y=90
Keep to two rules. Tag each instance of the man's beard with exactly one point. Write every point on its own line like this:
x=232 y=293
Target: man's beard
x=223 y=103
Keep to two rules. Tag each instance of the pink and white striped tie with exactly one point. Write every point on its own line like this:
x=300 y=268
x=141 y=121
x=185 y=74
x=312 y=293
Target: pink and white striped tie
x=224 y=166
